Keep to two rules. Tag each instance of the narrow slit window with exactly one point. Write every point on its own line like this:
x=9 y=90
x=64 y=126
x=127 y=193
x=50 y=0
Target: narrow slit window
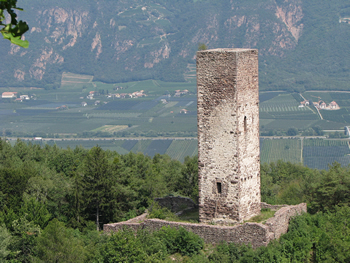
x=218 y=186
x=245 y=123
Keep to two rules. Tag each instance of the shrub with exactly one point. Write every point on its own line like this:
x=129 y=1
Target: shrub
x=180 y=241
x=156 y=211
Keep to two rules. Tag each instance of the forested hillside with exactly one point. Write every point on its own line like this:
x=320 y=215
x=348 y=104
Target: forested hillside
x=302 y=44
x=53 y=201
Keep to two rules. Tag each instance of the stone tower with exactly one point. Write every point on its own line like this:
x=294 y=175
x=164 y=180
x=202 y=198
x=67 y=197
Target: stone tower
x=228 y=135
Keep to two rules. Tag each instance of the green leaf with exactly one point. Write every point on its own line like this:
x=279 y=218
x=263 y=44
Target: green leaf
x=16 y=40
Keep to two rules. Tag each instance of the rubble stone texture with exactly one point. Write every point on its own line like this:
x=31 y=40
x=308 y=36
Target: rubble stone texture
x=256 y=234
x=228 y=135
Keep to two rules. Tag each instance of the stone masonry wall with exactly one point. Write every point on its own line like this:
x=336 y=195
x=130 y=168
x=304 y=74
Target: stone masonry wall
x=256 y=234
x=278 y=224
x=228 y=135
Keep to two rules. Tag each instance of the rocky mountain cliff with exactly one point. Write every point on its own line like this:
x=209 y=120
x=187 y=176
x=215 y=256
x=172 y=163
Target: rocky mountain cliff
x=302 y=44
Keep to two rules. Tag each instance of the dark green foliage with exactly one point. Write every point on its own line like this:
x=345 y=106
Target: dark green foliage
x=97 y=183
x=156 y=211
x=202 y=46
x=24 y=239
x=180 y=241
x=286 y=183
x=189 y=183
x=12 y=185
x=125 y=246
x=292 y=131
x=332 y=190
x=36 y=212
x=46 y=190
x=311 y=238
x=5 y=239
x=58 y=244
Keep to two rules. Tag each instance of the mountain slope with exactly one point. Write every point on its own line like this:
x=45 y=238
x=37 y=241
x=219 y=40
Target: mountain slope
x=301 y=43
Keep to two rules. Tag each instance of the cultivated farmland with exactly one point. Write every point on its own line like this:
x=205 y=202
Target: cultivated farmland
x=179 y=149
x=164 y=112
x=288 y=150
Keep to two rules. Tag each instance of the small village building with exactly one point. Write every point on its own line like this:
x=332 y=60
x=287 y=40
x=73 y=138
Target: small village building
x=333 y=105
x=179 y=93
x=84 y=104
x=9 y=95
x=24 y=97
x=304 y=103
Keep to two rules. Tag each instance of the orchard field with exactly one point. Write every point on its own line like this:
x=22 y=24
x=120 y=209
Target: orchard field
x=165 y=119
x=313 y=153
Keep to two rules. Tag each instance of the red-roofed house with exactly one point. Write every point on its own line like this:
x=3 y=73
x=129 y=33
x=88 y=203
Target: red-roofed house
x=333 y=105
x=9 y=95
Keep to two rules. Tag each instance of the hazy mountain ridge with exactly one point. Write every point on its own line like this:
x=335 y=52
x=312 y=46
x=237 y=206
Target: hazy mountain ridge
x=134 y=40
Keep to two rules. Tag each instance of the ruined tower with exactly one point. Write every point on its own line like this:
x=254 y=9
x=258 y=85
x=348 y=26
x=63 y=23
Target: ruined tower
x=228 y=135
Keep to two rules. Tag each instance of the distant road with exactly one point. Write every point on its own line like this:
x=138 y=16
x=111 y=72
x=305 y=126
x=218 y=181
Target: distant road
x=303 y=137
x=294 y=137
x=102 y=139
x=340 y=91
x=162 y=138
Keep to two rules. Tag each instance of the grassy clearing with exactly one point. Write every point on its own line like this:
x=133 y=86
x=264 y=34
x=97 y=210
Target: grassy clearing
x=263 y=216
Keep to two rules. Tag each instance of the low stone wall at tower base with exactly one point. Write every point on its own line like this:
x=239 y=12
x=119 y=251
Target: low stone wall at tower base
x=256 y=234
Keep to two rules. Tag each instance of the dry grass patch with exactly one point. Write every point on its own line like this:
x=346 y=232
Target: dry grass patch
x=263 y=216
x=110 y=128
